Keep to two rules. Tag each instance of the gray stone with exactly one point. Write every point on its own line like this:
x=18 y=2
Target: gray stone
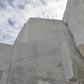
x=5 y=60
x=74 y=18
x=39 y=56
x=44 y=51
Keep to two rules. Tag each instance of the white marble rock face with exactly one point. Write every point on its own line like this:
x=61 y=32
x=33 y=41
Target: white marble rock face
x=43 y=53
x=74 y=18
x=36 y=58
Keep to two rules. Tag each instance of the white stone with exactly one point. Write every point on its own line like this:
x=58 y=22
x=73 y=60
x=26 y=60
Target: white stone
x=74 y=18
x=67 y=61
x=5 y=60
x=38 y=55
x=44 y=51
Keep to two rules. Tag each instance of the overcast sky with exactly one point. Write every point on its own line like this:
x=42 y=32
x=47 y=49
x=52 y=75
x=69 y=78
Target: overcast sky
x=14 y=13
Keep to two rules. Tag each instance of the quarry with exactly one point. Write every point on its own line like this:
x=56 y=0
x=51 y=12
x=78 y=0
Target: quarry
x=47 y=51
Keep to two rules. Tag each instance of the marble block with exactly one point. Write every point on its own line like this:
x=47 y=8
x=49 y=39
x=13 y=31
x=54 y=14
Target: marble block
x=74 y=18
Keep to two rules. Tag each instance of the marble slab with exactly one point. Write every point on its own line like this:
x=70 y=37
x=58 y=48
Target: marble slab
x=39 y=57
x=74 y=18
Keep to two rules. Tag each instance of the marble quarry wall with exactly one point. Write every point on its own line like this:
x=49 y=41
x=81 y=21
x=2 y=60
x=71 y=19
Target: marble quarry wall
x=47 y=51
x=37 y=57
x=43 y=53
x=74 y=18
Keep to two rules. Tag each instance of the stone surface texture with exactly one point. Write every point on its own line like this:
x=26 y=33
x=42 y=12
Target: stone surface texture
x=74 y=18
x=46 y=51
x=37 y=58
x=43 y=53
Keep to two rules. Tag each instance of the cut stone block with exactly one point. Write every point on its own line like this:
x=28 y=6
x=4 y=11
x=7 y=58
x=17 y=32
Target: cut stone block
x=38 y=55
x=47 y=36
x=42 y=26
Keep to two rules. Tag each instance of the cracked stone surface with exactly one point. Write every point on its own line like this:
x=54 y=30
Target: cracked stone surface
x=39 y=57
x=43 y=53
x=74 y=18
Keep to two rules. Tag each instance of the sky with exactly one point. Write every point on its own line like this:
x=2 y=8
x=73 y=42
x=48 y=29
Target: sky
x=14 y=13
